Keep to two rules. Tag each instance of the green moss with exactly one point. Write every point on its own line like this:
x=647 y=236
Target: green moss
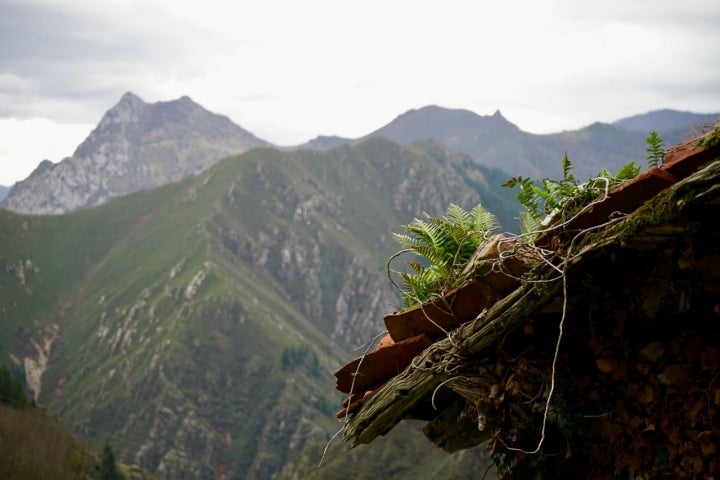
x=712 y=139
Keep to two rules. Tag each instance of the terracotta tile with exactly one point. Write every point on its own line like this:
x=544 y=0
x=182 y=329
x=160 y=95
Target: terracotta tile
x=353 y=403
x=378 y=366
x=504 y=264
x=679 y=162
x=442 y=315
x=385 y=341
x=626 y=198
x=682 y=160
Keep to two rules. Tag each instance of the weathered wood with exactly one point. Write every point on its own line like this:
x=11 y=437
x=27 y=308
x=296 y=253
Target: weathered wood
x=454 y=429
x=478 y=337
x=390 y=404
x=394 y=400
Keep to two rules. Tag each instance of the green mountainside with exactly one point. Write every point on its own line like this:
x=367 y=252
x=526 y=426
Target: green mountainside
x=196 y=325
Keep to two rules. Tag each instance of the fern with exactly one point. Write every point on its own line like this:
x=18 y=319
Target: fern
x=548 y=200
x=628 y=172
x=655 y=151
x=444 y=245
x=567 y=169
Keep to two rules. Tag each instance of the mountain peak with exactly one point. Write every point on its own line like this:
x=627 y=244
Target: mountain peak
x=129 y=102
x=446 y=124
x=42 y=168
x=131 y=99
x=136 y=145
x=125 y=111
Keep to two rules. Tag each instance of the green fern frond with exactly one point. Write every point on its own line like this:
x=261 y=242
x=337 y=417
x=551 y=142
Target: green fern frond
x=565 y=195
x=528 y=223
x=456 y=216
x=446 y=244
x=655 y=151
x=628 y=171
x=567 y=168
x=484 y=221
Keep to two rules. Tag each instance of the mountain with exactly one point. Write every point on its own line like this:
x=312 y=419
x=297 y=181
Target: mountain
x=494 y=141
x=3 y=192
x=197 y=324
x=135 y=146
x=491 y=140
x=324 y=142
x=667 y=121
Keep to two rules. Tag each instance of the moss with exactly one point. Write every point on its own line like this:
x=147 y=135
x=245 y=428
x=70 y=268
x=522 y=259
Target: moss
x=712 y=139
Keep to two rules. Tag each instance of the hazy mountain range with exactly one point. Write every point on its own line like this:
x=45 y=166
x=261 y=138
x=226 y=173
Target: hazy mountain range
x=495 y=141
x=138 y=145
x=195 y=325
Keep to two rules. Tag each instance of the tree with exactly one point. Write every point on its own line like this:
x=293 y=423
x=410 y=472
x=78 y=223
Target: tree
x=108 y=468
x=11 y=389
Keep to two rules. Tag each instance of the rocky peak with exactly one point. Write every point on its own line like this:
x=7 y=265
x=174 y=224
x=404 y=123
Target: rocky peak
x=126 y=111
x=135 y=146
x=42 y=167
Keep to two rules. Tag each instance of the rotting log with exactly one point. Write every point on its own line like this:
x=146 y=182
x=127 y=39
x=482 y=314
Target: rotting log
x=418 y=382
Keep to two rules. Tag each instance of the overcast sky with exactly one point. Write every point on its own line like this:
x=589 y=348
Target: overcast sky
x=290 y=70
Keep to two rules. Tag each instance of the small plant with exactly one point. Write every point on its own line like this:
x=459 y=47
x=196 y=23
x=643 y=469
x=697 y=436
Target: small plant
x=445 y=245
x=655 y=151
x=548 y=200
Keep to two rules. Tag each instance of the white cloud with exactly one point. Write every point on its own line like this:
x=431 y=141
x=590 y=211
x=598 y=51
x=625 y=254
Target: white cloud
x=27 y=143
